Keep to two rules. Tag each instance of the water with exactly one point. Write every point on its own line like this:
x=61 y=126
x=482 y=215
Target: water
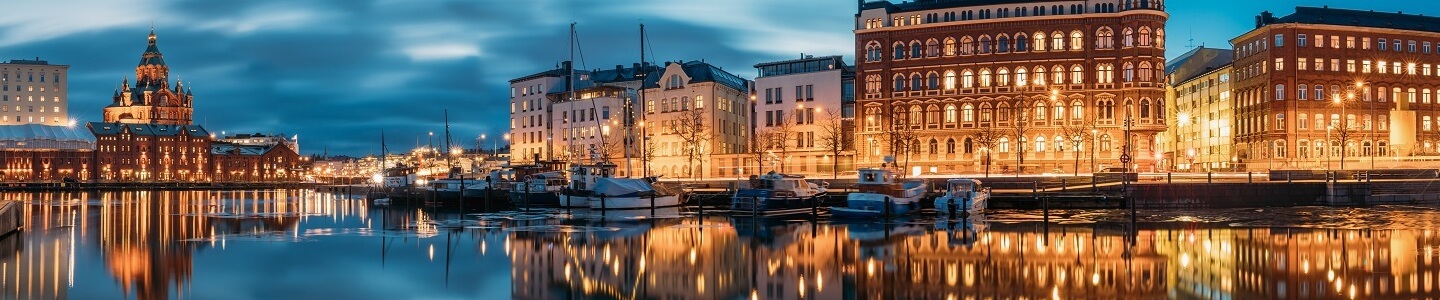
x=307 y=245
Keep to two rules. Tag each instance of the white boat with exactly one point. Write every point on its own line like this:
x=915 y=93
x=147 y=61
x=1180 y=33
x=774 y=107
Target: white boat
x=453 y=188
x=539 y=189
x=400 y=176
x=631 y=193
x=582 y=182
x=774 y=194
x=963 y=198
x=880 y=194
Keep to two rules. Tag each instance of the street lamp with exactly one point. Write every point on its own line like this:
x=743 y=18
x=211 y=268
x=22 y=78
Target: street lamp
x=1343 y=129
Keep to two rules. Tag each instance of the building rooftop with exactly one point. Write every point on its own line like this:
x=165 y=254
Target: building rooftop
x=37 y=61
x=102 y=128
x=803 y=65
x=1197 y=62
x=700 y=71
x=35 y=136
x=1348 y=17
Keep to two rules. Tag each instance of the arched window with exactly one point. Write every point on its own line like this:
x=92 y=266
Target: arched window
x=899 y=83
x=1107 y=109
x=1058 y=74
x=932 y=48
x=1077 y=74
x=949 y=80
x=967 y=79
x=934 y=146
x=932 y=115
x=1039 y=111
x=1160 y=38
x=1145 y=108
x=1129 y=72
x=1003 y=146
x=899 y=51
x=967 y=46
x=1020 y=77
x=1039 y=41
x=1303 y=92
x=1020 y=42
x=949 y=46
x=932 y=80
x=1105 y=73
x=901 y=117
x=1077 y=111
x=917 y=116
x=1280 y=149
x=916 y=50
x=1144 y=36
x=1129 y=36
x=969 y=146
x=872 y=119
x=1105 y=142
x=950 y=146
x=1002 y=77
x=1146 y=74
x=950 y=114
x=1057 y=41
x=1077 y=40
x=872 y=52
x=985 y=113
x=1104 y=38
x=872 y=84
x=1039 y=75
x=1003 y=43
x=916 y=82
x=985 y=44
x=1302 y=149
x=1003 y=111
x=968 y=113
x=1059 y=111
x=985 y=78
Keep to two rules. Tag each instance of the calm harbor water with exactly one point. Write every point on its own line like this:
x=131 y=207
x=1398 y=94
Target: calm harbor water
x=298 y=244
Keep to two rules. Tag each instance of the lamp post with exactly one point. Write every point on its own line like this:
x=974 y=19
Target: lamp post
x=1343 y=129
x=1094 y=139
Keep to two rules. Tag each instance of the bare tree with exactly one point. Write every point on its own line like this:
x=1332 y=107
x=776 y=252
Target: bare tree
x=611 y=148
x=694 y=131
x=647 y=155
x=834 y=140
x=986 y=138
x=902 y=139
x=1079 y=134
x=1019 y=127
x=778 y=132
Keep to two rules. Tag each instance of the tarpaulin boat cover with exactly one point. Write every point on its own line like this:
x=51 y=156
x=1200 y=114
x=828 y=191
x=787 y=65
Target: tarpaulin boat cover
x=621 y=186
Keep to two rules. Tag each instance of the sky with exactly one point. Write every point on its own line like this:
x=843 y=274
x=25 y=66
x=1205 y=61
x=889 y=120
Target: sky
x=338 y=72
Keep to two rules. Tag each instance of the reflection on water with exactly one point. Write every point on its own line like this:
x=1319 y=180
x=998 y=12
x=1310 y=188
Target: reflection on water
x=302 y=244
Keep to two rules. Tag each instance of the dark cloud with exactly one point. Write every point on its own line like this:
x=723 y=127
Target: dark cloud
x=337 y=72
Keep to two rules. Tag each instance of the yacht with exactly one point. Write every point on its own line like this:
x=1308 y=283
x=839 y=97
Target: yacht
x=632 y=193
x=539 y=189
x=582 y=182
x=881 y=194
x=963 y=197
x=775 y=194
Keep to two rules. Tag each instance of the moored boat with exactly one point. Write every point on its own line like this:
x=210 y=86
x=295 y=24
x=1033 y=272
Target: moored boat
x=962 y=198
x=539 y=189
x=582 y=183
x=775 y=194
x=632 y=193
x=881 y=194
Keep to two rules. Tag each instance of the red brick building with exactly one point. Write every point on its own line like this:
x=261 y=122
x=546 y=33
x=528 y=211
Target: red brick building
x=1325 y=85
x=35 y=152
x=256 y=163
x=151 y=152
x=944 y=83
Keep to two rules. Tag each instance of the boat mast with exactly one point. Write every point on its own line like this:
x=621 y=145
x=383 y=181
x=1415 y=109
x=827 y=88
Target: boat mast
x=383 y=153
x=449 y=166
x=644 y=74
x=570 y=85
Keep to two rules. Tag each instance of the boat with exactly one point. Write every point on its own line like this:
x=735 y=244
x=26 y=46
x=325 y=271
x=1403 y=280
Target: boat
x=880 y=194
x=775 y=194
x=399 y=176
x=582 y=181
x=631 y=193
x=963 y=198
x=539 y=189
x=454 y=188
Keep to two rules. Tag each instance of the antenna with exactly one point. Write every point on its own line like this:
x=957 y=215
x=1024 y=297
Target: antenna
x=1191 y=42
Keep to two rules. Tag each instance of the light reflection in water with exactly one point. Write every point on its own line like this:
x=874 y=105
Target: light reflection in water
x=155 y=245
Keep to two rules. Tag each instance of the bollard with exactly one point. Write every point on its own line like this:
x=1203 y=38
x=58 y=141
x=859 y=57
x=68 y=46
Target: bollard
x=1250 y=176
x=1063 y=185
x=1209 y=177
x=652 y=203
x=1169 y=177
x=1288 y=179
x=603 y=204
x=887 y=209
x=1093 y=187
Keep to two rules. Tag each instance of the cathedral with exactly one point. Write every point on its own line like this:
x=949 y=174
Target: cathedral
x=152 y=100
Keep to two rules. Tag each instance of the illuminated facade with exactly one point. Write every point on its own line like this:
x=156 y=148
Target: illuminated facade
x=152 y=100
x=1324 y=84
x=34 y=152
x=34 y=92
x=947 y=84
x=1202 y=138
x=798 y=104
x=255 y=163
x=150 y=152
x=695 y=90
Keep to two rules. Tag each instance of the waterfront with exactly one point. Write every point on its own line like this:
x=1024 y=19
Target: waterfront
x=290 y=244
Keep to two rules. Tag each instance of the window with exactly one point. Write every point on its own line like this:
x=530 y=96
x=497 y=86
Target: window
x=1279 y=40
x=1319 y=92
x=1303 y=122
x=1077 y=111
x=1145 y=108
x=1021 y=43
x=1279 y=64
x=1144 y=36
x=1129 y=36
x=1302 y=91
x=1002 y=44
x=1039 y=111
x=967 y=79
x=967 y=114
x=1105 y=38
x=1129 y=72
x=1077 y=74
x=1280 y=92
x=1040 y=144
x=1077 y=40
x=899 y=52
x=949 y=80
x=949 y=46
x=1299 y=40
x=1020 y=77
x=950 y=113
x=1057 y=41
x=1280 y=121
x=915 y=50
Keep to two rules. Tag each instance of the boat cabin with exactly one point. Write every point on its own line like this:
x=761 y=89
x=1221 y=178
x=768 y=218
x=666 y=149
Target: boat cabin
x=777 y=181
x=583 y=177
x=871 y=176
x=962 y=186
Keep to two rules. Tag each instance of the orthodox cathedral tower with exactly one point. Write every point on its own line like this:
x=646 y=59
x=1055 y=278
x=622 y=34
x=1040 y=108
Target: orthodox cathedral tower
x=152 y=100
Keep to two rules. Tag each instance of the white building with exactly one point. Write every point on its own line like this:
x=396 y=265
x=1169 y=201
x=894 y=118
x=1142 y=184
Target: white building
x=794 y=101
x=689 y=88
x=33 y=92
x=529 y=115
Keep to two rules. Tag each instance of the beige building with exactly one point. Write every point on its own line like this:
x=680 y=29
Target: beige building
x=33 y=92
x=798 y=105
x=679 y=93
x=529 y=115
x=1199 y=86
